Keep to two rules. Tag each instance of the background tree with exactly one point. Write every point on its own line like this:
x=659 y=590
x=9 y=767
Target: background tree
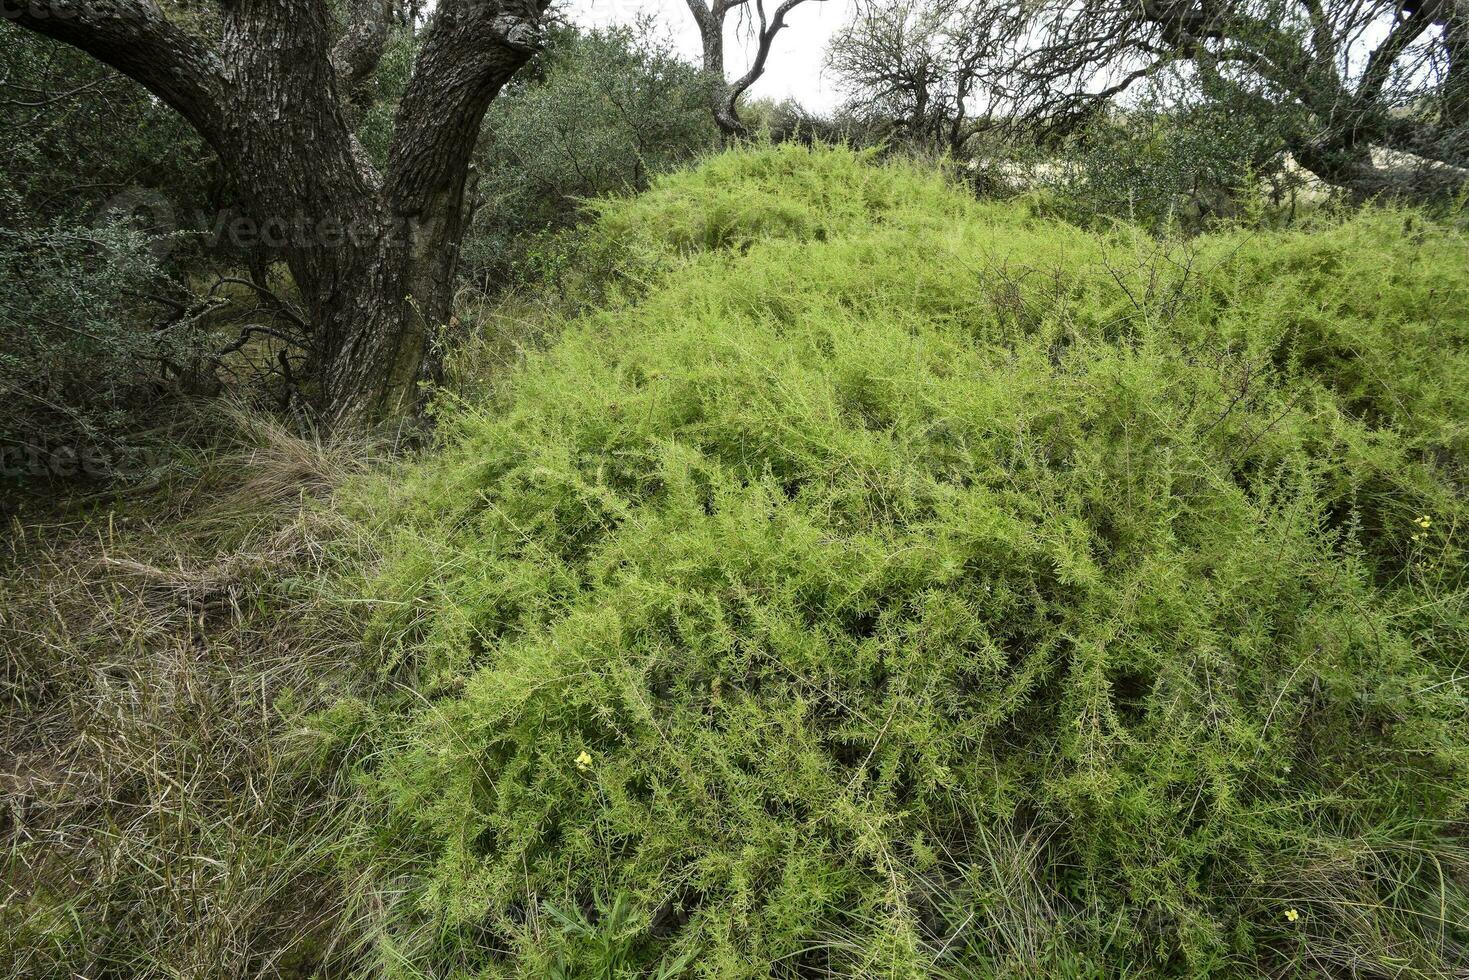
x=275 y=88
x=1368 y=95
x=915 y=63
x=711 y=16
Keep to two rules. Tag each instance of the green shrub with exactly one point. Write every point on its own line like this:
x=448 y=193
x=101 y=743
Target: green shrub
x=1180 y=166
x=904 y=585
x=78 y=134
x=602 y=113
x=90 y=162
x=79 y=359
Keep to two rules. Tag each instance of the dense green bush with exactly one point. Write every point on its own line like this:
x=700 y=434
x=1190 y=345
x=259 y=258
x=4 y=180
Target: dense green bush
x=1170 y=164
x=901 y=585
x=80 y=361
x=95 y=176
x=78 y=134
x=601 y=113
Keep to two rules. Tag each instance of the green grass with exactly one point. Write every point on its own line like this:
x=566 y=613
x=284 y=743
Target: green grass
x=888 y=584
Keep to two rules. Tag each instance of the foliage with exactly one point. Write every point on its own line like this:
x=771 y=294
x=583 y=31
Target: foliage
x=1169 y=166
x=601 y=114
x=388 y=84
x=78 y=357
x=78 y=134
x=903 y=585
x=95 y=177
x=787 y=121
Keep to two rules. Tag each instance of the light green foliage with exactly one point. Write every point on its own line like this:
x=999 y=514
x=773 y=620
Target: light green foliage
x=900 y=585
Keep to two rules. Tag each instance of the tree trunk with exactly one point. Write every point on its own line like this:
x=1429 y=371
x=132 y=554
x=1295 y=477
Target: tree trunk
x=725 y=94
x=373 y=255
x=710 y=22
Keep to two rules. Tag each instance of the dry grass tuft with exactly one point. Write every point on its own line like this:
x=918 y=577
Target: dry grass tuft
x=155 y=653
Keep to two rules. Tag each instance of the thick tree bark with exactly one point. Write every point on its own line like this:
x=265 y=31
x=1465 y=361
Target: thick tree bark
x=372 y=255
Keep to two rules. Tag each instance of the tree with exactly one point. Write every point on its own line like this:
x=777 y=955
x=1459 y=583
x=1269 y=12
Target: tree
x=710 y=18
x=914 y=62
x=276 y=94
x=1369 y=95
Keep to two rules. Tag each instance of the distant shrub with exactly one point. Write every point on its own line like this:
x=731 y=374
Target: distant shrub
x=905 y=585
x=602 y=114
x=1181 y=167
x=787 y=121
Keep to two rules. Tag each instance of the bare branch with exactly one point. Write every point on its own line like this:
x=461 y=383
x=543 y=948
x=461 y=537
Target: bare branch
x=710 y=21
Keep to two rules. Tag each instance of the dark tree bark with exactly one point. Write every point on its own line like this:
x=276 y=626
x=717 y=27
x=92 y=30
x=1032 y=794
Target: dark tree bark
x=373 y=255
x=711 y=18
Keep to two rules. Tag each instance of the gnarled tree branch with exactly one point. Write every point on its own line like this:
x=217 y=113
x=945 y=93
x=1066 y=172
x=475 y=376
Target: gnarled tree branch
x=360 y=48
x=137 y=39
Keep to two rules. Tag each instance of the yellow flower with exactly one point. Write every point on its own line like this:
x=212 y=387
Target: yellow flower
x=584 y=761
x=1425 y=522
x=1291 y=915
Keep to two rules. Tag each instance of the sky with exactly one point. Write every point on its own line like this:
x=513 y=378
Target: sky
x=795 y=68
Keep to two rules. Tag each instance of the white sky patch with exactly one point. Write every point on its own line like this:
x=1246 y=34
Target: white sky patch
x=796 y=66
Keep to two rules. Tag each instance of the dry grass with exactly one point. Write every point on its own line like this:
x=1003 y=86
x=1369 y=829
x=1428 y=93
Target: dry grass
x=155 y=654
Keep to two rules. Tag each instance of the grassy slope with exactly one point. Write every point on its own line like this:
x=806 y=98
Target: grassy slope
x=156 y=819
x=879 y=583
x=934 y=588
x=903 y=585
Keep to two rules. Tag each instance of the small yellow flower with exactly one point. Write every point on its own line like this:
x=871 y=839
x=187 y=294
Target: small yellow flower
x=1425 y=522
x=1291 y=915
x=584 y=761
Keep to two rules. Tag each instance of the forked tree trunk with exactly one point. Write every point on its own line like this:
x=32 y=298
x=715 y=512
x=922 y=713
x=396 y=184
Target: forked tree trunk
x=373 y=255
x=725 y=93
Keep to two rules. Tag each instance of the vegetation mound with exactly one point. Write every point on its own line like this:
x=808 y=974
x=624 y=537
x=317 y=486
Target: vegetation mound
x=904 y=585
